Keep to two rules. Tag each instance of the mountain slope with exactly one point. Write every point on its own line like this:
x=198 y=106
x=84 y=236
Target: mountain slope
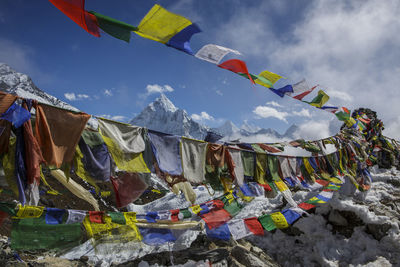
x=20 y=84
x=162 y=115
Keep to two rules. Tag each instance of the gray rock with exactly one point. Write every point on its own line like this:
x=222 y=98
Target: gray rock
x=378 y=231
x=246 y=258
x=337 y=219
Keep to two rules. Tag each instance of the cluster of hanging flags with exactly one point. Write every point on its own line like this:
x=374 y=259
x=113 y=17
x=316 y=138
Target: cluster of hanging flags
x=124 y=155
x=64 y=226
x=176 y=31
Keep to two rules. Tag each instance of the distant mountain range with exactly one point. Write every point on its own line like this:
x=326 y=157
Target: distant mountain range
x=161 y=115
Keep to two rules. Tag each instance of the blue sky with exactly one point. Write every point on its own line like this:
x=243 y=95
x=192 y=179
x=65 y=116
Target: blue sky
x=348 y=47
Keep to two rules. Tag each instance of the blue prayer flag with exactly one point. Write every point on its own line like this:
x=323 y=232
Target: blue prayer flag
x=290 y=215
x=181 y=40
x=282 y=91
x=155 y=236
x=54 y=215
x=222 y=232
x=16 y=114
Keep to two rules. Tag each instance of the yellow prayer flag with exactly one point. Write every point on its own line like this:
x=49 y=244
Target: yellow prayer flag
x=229 y=197
x=29 y=212
x=161 y=25
x=111 y=232
x=270 y=76
x=130 y=217
x=308 y=166
x=281 y=186
x=196 y=209
x=316 y=200
x=279 y=220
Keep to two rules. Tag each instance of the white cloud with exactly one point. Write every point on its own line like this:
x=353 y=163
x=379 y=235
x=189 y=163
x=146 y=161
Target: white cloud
x=203 y=116
x=274 y=104
x=313 y=130
x=156 y=88
x=115 y=117
x=108 y=92
x=268 y=112
x=302 y=113
x=218 y=92
x=76 y=97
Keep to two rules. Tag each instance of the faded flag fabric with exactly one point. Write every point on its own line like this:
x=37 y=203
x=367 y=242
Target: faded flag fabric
x=193 y=158
x=214 y=53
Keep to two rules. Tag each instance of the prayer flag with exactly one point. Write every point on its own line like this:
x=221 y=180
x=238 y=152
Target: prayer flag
x=319 y=100
x=75 y=216
x=279 y=220
x=128 y=187
x=16 y=114
x=117 y=217
x=58 y=132
x=331 y=109
x=96 y=216
x=215 y=218
x=6 y=100
x=238 y=229
x=270 y=76
x=221 y=232
x=29 y=212
x=290 y=215
x=161 y=25
x=343 y=114
x=75 y=10
x=254 y=226
x=306 y=206
x=193 y=158
x=267 y=222
x=282 y=91
x=115 y=28
x=214 y=53
x=54 y=215
x=181 y=40
x=155 y=236
x=166 y=149
x=5 y=132
x=236 y=66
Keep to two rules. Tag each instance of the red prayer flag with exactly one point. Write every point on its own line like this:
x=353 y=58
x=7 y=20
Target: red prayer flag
x=266 y=187
x=3 y=216
x=322 y=182
x=216 y=218
x=254 y=226
x=96 y=216
x=174 y=215
x=236 y=66
x=306 y=206
x=75 y=10
x=302 y=95
x=128 y=187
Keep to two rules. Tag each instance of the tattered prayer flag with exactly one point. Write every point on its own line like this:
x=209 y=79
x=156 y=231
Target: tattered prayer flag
x=16 y=114
x=54 y=215
x=128 y=187
x=130 y=217
x=181 y=40
x=271 y=77
x=290 y=215
x=221 y=232
x=282 y=91
x=302 y=95
x=267 y=222
x=214 y=53
x=96 y=216
x=236 y=66
x=161 y=25
x=75 y=10
x=343 y=114
x=154 y=236
x=113 y=27
x=6 y=100
x=319 y=100
x=279 y=220
x=254 y=226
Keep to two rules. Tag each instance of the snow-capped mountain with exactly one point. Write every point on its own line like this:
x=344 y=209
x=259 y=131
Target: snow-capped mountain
x=162 y=115
x=226 y=129
x=20 y=84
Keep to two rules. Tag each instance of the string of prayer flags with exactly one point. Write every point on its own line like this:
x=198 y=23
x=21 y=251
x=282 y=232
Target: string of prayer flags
x=237 y=66
x=297 y=90
x=113 y=27
x=181 y=40
x=75 y=10
x=331 y=109
x=161 y=25
x=16 y=114
x=214 y=53
x=319 y=100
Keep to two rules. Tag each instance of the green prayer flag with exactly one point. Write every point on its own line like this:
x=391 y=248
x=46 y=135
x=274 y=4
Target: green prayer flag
x=273 y=168
x=267 y=222
x=319 y=100
x=231 y=205
x=34 y=234
x=8 y=208
x=248 y=159
x=115 y=28
x=92 y=138
x=117 y=217
x=186 y=213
